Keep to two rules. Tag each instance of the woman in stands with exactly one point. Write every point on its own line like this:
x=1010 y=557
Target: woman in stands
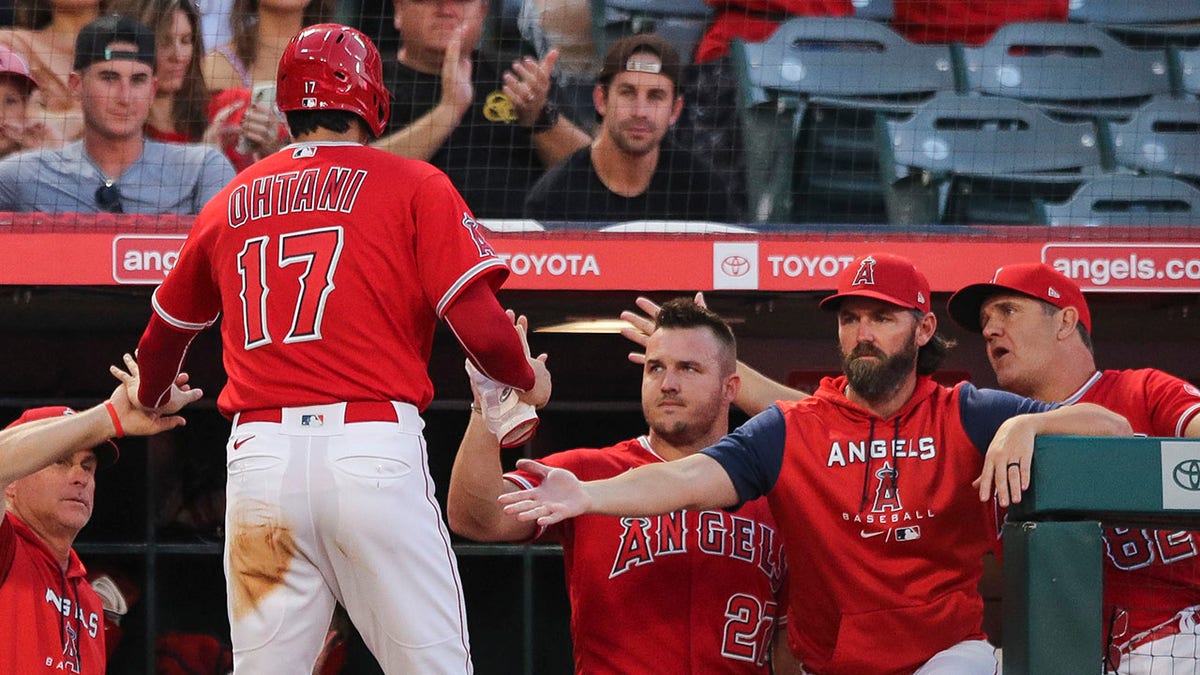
x=261 y=29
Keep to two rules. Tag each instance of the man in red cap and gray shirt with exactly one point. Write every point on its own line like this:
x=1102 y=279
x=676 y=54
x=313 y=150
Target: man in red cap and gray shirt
x=876 y=466
x=1038 y=331
x=52 y=619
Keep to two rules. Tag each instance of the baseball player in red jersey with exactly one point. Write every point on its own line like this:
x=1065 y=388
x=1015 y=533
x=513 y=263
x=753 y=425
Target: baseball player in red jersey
x=876 y=467
x=52 y=620
x=1038 y=330
x=332 y=264
x=707 y=584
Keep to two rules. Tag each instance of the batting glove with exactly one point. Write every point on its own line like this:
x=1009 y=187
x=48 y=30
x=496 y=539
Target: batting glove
x=510 y=419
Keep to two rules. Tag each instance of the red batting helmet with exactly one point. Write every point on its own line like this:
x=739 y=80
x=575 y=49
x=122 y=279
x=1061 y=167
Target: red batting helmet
x=334 y=67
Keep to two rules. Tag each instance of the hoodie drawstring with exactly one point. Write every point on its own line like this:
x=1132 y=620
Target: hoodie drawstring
x=867 y=472
x=895 y=473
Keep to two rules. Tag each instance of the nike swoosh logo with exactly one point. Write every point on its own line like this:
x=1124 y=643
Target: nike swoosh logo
x=862 y=533
x=241 y=441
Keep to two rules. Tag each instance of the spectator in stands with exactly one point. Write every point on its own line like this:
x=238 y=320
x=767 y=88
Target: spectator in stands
x=566 y=25
x=261 y=29
x=628 y=173
x=53 y=619
x=16 y=85
x=492 y=131
x=114 y=168
x=179 y=112
x=45 y=37
x=1038 y=330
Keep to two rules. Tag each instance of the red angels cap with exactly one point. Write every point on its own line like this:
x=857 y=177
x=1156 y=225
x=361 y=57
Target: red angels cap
x=882 y=276
x=1037 y=280
x=106 y=452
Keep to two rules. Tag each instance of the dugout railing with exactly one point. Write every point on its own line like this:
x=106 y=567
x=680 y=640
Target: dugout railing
x=1053 y=548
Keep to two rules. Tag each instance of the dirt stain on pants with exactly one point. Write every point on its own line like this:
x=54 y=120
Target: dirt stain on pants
x=261 y=549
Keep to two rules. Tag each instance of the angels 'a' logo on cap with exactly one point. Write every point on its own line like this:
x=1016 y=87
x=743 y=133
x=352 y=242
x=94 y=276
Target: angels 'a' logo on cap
x=1052 y=293
x=865 y=276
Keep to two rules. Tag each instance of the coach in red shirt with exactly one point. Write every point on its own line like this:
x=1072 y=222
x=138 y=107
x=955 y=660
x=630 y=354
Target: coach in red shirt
x=52 y=620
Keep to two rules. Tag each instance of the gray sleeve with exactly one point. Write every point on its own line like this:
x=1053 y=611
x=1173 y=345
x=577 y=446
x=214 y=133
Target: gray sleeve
x=10 y=198
x=215 y=174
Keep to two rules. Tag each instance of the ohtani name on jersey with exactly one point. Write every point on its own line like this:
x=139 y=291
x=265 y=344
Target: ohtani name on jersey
x=332 y=188
x=90 y=620
x=880 y=448
x=644 y=540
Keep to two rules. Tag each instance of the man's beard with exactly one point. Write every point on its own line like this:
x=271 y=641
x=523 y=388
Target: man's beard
x=876 y=381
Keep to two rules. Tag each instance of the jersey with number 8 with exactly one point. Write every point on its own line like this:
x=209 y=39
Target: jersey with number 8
x=308 y=242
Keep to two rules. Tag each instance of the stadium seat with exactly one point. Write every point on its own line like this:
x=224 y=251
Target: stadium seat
x=1133 y=11
x=1188 y=65
x=874 y=10
x=1075 y=70
x=682 y=22
x=1145 y=24
x=1162 y=137
x=1128 y=200
x=808 y=98
x=982 y=160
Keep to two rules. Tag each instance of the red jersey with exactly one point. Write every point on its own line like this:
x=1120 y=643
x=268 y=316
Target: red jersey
x=879 y=519
x=692 y=592
x=52 y=621
x=757 y=20
x=332 y=263
x=1149 y=575
x=970 y=23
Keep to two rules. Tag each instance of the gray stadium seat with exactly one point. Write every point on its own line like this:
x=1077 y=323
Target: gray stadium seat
x=1162 y=137
x=874 y=10
x=1133 y=11
x=981 y=160
x=808 y=97
x=1069 y=69
x=682 y=22
x=1144 y=24
x=1188 y=65
x=1128 y=200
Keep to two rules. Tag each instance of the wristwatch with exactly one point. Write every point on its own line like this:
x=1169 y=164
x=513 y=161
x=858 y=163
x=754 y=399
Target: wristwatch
x=547 y=119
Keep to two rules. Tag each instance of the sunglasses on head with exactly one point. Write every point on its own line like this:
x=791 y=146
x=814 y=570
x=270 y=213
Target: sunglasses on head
x=108 y=198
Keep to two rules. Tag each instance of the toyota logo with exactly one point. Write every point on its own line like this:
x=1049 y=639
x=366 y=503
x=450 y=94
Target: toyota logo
x=1187 y=475
x=735 y=266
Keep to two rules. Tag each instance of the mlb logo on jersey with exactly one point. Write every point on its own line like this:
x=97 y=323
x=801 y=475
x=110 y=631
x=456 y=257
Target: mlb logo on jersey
x=312 y=420
x=908 y=533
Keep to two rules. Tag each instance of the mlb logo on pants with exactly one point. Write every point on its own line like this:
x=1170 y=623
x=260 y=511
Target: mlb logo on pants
x=312 y=420
x=908 y=533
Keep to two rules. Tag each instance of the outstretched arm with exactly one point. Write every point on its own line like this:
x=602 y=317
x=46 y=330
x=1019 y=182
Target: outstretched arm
x=31 y=447
x=697 y=482
x=476 y=482
x=1006 y=467
x=757 y=393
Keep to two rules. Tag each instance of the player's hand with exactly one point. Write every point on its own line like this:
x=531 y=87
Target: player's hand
x=136 y=420
x=457 y=90
x=527 y=86
x=539 y=395
x=641 y=326
x=1007 y=462
x=560 y=496
x=181 y=392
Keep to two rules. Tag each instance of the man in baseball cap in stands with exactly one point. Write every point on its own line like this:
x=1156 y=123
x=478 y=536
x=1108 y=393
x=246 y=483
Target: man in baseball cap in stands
x=114 y=168
x=631 y=171
x=53 y=620
x=1038 y=330
x=877 y=465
